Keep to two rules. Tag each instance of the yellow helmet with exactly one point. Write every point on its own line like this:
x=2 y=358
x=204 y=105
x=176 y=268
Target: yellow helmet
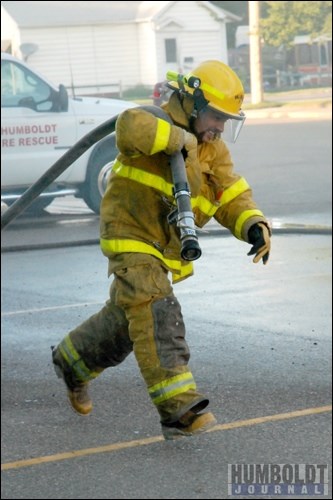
x=212 y=83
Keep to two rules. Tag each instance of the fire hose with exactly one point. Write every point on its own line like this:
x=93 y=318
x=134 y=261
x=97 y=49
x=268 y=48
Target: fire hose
x=182 y=216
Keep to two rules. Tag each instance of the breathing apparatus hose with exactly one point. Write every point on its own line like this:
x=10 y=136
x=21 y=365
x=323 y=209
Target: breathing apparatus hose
x=185 y=221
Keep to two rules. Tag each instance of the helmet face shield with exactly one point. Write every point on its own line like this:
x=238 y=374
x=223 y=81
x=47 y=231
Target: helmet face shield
x=232 y=128
x=212 y=124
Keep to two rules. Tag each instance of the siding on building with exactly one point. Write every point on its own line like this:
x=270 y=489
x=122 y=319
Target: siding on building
x=125 y=53
x=86 y=56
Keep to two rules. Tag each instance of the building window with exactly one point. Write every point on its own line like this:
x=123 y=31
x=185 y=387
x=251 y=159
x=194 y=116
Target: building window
x=304 y=53
x=170 y=50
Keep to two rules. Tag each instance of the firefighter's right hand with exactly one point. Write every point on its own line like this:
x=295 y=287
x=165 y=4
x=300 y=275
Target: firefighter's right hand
x=185 y=142
x=190 y=142
x=190 y=148
x=193 y=170
x=181 y=140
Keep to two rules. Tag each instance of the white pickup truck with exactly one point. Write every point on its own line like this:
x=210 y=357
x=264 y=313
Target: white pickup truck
x=39 y=123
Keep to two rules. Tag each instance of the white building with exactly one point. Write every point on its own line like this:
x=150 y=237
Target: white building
x=130 y=43
x=10 y=34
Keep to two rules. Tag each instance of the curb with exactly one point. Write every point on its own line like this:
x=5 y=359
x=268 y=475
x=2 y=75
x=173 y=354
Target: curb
x=276 y=113
x=212 y=231
x=276 y=227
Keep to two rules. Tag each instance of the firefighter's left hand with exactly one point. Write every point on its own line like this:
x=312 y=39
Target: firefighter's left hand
x=260 y=237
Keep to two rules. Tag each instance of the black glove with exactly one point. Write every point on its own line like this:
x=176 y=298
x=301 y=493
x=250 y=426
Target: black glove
x=259 y=237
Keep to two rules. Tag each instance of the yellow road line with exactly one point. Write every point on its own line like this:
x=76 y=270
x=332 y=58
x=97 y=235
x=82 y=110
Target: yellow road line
x=271 y=418
x=144 y=442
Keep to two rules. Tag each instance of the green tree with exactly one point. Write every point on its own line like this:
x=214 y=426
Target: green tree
x=282 y=21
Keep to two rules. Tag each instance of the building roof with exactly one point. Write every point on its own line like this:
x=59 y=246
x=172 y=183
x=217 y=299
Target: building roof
x=40 y=14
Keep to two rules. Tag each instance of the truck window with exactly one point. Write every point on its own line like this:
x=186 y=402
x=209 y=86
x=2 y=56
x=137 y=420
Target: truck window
x=21 y=88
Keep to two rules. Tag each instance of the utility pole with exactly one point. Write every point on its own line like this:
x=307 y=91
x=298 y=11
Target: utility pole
x=255 y=53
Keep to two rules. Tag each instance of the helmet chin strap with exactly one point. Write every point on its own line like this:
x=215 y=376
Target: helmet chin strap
x=199 y=101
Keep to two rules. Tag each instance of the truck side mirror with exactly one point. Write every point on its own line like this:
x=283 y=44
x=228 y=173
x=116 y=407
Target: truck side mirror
x=63 y=98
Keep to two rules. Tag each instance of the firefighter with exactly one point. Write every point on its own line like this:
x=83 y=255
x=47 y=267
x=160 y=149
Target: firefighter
x=143 y=248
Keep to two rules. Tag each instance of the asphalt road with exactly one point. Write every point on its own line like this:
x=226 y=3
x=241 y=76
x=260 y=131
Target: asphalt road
x=260 y=339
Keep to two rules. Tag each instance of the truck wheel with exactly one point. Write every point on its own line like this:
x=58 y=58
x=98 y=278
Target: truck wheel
x=95 y=179
x=103 y=177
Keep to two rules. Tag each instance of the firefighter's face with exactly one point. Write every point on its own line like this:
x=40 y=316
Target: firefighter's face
x=209 y=125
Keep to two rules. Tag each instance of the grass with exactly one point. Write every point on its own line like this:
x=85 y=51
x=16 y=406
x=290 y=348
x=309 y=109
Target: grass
x=314 y=97
x=308 y=103
x=302 y=91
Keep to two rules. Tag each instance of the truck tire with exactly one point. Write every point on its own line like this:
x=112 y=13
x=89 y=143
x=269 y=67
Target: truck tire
x=101 y=157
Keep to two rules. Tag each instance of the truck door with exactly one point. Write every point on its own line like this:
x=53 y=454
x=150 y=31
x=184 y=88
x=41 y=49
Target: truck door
x=33 y=127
